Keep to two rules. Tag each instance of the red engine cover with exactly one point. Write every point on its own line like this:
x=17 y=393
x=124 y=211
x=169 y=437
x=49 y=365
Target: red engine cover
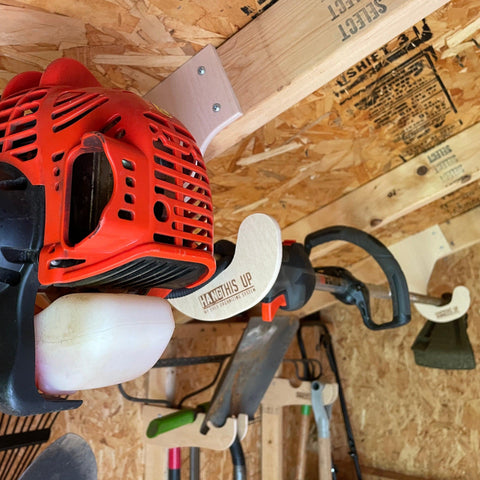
x=149 y=195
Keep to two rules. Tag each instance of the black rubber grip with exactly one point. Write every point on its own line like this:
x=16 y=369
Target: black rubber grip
x=22 y=222
x=383 y=256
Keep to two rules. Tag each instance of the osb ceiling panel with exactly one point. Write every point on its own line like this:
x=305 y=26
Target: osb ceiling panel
x=404 y=98
x=126 y=43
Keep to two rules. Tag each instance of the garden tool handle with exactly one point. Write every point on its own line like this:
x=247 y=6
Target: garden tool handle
x=323 y=432
x=324 y=459
x=174 y=420
x=169 y=422
x=194 y=463
x=302 y=443
x=174 y=463
x=385 y=259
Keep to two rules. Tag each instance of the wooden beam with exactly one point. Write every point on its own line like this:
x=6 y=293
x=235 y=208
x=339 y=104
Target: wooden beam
x=463 y=231
x=424 y=179
x=296 y=47
x=435 y=213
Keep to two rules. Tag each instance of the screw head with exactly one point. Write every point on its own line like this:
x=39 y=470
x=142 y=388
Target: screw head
x=216 y=107
x=201 y=70
x=422 y=170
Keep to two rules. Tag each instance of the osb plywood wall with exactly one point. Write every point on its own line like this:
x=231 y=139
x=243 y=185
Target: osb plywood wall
x=409 y=419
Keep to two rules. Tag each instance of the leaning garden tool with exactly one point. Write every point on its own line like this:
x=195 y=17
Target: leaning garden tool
x=251 y=367
x=281 y=394
x=322 y=414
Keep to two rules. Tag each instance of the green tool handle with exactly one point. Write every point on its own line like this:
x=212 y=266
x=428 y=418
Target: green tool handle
x=306 y=409
x=169 y=422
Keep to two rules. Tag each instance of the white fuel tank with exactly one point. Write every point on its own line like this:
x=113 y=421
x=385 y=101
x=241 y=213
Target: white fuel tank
x=93 y=340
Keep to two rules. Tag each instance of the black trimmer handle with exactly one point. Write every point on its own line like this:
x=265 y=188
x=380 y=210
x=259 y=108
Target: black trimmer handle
x=18 y=393
x=22 y=217
x=387 y=262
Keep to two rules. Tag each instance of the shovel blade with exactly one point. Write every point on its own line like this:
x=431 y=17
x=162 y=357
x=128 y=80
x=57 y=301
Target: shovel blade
x=252 y=367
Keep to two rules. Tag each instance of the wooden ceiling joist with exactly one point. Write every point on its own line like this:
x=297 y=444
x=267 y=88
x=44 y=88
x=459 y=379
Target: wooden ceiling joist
x=358 y=128
x=440 y=171
x=294 y=48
